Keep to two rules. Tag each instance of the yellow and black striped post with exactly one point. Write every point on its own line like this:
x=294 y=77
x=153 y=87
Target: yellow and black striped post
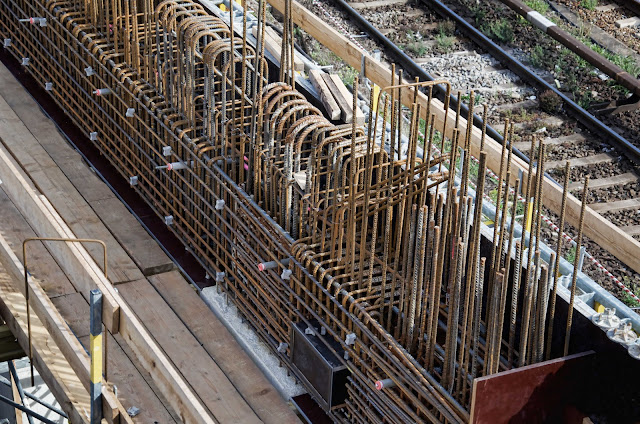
x=95 y=350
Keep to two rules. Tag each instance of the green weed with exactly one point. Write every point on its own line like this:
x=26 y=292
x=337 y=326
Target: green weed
x=539 y=6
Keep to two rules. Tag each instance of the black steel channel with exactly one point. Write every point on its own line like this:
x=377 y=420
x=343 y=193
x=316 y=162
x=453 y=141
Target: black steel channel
x=584 y=117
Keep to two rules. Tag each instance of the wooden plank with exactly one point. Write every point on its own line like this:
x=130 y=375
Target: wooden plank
x=298 y=64
x=607 y=182
x=54 y=325
x=273 y=43
x=220 y=344
x=556 y=141
x=534 y=393
x=48 y=178
x=137 y=243
x=344 y=99
x=632 y=230
x=607 y=235
x=377 y=3
x=86 y=275
x=73 y=258
x=619 y=205
x=16 y=398
x=47 y=357
x=607 y=7
x=133 y=389
x=525 y=104
x=145 y=252
x=327 y=99
x=549 y=121
x=212 y=386
x=633 y=21
x=15 y=229
x=571 y=138
x=585 y=161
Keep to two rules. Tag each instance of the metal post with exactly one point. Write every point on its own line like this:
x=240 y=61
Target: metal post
x=95 y=350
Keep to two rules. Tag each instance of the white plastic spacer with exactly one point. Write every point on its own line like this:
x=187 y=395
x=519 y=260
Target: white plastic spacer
x=133 y=180
x=130 y=112
x=310 y=331
x=43 y=22
x=219 y=204
x=93 y=136
x=220 y=276
x=282 y=347
x=25 y=61
x=168 y=220
x=88 y=71
x=166 y=151
x=286 y=274
x=350 y=339
x=48 y=86
x=6 y=42
x=385 y=384
x=102 y=91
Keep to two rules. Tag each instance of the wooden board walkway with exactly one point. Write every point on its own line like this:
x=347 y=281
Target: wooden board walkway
x=216 y=372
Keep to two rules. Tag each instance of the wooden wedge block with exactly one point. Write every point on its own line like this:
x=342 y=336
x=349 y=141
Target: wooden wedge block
x=327 y=99
x=344 y=99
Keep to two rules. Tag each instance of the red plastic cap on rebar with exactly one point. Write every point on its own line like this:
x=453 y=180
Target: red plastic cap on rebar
x=98 y=92
x=379 y=385
x=260 y=267
x=169 y=167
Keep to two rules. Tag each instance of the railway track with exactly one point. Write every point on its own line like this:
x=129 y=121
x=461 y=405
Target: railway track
x=431 y=44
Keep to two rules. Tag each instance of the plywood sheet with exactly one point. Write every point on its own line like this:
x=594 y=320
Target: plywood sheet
x=534 y=393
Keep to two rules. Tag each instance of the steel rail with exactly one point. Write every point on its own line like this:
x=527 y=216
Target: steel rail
x=614 y=71
x=632 y=5
x=630 y=151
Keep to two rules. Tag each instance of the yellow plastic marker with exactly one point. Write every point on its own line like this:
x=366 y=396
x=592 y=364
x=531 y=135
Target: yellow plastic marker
x=376 y=96
x=96 y=358
x=530 y=216
x=599 y=308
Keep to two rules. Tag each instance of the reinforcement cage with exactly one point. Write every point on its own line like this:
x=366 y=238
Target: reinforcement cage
x=369 y=241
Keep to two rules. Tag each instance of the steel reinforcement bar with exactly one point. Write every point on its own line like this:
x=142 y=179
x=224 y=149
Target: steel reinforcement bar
x=361 y=236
